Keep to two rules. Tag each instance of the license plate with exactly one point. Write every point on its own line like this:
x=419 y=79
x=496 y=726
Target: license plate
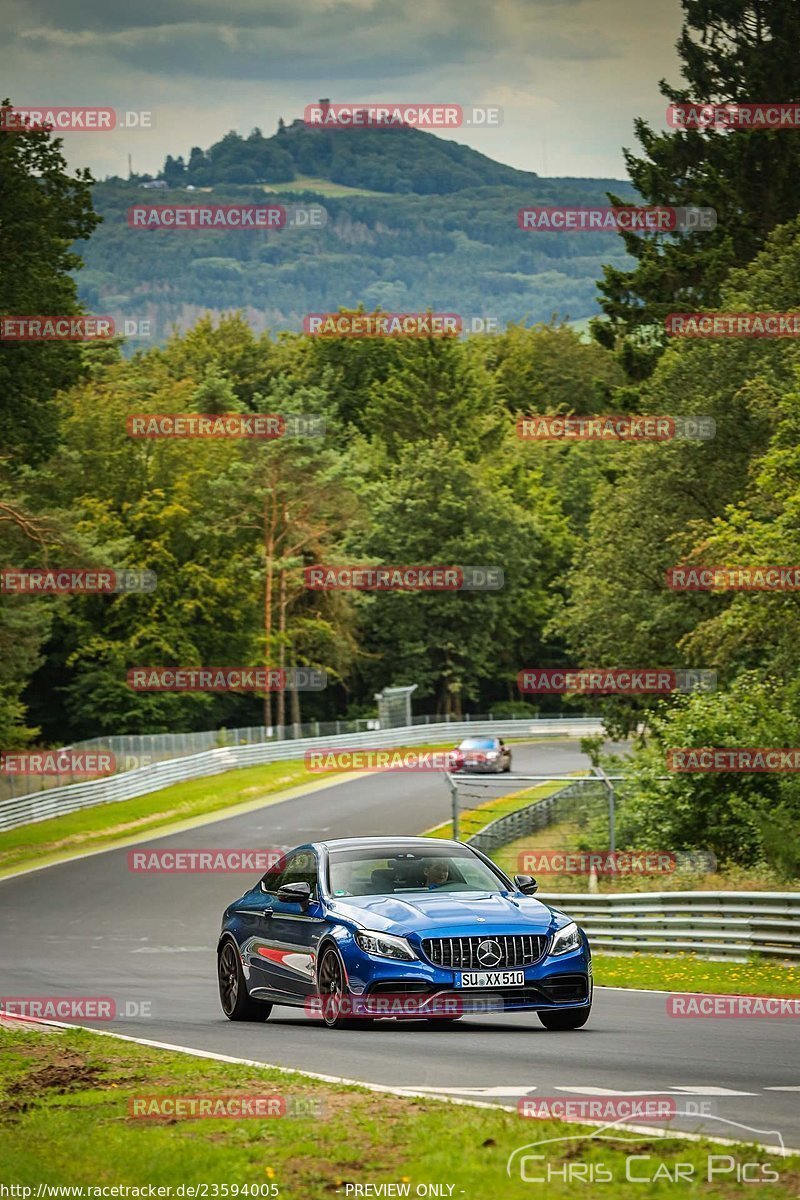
x=488 y=979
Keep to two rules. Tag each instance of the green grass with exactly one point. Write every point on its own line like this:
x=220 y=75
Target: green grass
x=690 y=973
x=65 y=1120
x=108 y=824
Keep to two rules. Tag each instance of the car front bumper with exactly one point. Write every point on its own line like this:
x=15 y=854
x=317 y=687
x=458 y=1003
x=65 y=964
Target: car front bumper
x=555 y=982
x=480 y=768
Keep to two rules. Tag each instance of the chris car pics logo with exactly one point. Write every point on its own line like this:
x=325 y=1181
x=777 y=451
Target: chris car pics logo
x=560 y=1160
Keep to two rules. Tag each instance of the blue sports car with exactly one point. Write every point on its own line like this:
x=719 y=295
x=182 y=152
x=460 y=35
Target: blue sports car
x=360 y=928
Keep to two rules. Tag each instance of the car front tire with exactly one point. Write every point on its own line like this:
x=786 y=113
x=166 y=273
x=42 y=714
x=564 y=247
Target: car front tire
x=237 y=1004
x=332 y=990
x=565 y=1018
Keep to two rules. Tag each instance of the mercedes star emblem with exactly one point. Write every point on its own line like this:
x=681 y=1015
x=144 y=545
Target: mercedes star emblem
x=489 y=953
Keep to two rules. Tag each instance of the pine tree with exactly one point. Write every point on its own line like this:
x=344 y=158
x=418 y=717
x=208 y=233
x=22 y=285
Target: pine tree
x=733 y=51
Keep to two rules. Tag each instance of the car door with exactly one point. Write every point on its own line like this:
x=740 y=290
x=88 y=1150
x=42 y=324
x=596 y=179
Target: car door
x=285 y=958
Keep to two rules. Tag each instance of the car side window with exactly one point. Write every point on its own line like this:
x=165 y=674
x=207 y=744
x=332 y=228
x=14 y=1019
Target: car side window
x=298 y=868
x=271 y=881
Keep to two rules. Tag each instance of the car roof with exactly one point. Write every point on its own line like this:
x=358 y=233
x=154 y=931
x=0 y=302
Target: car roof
x=389 y=840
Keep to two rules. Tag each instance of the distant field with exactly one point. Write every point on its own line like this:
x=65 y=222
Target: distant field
x=324 y=187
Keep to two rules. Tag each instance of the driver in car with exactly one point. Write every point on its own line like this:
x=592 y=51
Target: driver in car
x=436 y=873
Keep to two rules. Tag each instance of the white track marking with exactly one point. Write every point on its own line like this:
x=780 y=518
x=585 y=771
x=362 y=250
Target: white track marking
x=501 y=1090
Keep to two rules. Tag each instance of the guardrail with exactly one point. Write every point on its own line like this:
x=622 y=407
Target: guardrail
x=131 y=750
x=55 y=802
x=730 y=925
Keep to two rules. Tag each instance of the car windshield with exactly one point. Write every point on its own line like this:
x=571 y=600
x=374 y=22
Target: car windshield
x=478 y=744
x=372 y=872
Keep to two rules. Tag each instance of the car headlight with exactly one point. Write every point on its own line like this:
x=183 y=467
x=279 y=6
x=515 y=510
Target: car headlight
x=384 y=945
x=568 y=938
x=492 y=755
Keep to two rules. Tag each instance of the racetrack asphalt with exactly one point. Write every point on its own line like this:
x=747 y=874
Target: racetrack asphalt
x=91 y=927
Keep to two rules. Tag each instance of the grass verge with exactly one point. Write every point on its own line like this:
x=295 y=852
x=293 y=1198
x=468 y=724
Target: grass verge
x=690 y=973
x=66 y=1119
x=106 y=824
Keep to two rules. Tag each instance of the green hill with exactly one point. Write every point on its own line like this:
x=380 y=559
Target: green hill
x=413 y=222
x=396 y=160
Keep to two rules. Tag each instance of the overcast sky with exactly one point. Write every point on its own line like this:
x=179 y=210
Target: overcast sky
x=570 y=75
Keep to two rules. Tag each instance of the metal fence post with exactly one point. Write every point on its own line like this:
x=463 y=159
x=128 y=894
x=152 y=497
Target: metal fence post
x=612 y=819
x=454 y=803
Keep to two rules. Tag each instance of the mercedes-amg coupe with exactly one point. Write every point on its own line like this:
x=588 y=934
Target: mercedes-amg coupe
x=362 y=928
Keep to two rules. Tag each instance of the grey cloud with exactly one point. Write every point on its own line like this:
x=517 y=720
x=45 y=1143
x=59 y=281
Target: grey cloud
x=268 y=39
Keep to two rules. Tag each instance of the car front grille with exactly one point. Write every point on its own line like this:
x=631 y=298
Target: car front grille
x=516 y=950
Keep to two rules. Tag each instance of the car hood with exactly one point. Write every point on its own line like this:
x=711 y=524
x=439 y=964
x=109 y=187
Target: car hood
x=433 y=914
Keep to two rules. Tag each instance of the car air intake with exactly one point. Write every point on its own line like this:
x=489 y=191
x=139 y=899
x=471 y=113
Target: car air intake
x=565 y=988
x=490 y=953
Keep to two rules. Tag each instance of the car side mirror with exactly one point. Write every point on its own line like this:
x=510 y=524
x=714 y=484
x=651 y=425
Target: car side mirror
x=295 y=893
x=526 y=884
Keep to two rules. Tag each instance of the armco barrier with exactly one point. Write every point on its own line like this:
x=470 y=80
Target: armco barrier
x=55 y=802
x=730 y=925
